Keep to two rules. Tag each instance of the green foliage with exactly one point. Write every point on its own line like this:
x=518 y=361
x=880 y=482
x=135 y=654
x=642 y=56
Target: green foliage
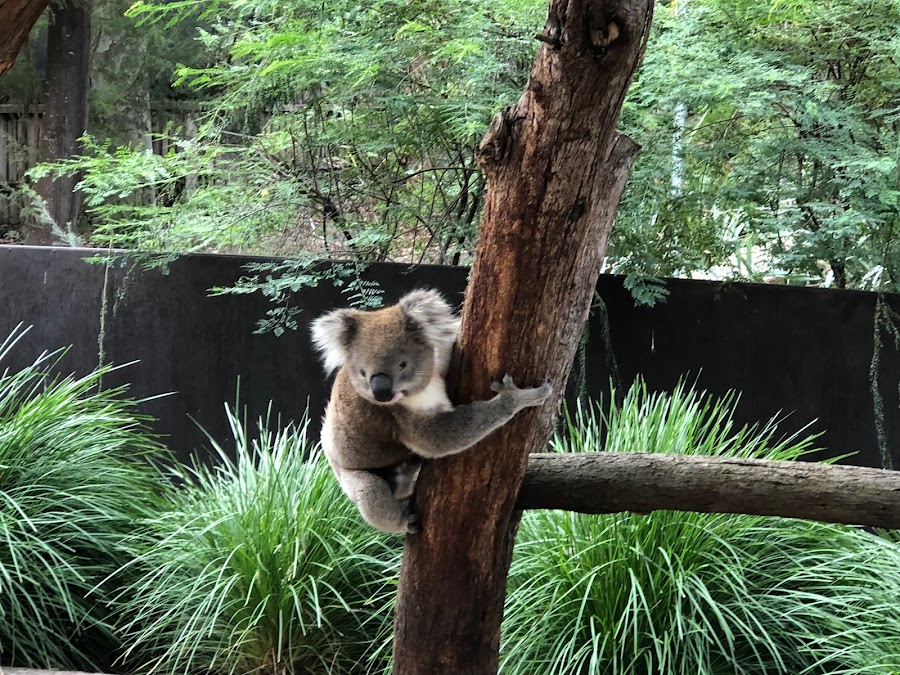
x=686 y=593
x=345 y=130
x=117 y=183
x=769 y=132
x=75 y=477
x=771 y=145
x=259 y=565
x=280 y=280
x=646 y=290
x=132 y=72
x=791 y=142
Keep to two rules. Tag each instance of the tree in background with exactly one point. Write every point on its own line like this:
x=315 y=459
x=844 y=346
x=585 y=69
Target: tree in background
x=83 y=60
x=66 y=113
x=792 y=143
x=343 y=130
x=349 y=131
x=20 y=17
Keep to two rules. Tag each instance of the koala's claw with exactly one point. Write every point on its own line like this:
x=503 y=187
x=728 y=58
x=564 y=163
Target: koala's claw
x=502 y=385
x=537 y=395
x=413 y=524
x=525 y=397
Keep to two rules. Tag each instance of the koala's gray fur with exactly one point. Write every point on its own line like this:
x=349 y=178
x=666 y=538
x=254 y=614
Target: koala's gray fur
x=389 y=406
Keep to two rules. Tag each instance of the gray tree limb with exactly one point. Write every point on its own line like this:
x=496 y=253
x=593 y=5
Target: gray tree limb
x=19 y=16
x=610 y=482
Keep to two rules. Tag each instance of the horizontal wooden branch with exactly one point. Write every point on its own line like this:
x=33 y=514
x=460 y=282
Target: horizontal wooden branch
x=611 y=482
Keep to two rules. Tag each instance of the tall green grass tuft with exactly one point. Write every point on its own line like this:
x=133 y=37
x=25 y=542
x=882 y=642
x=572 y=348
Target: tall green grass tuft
x=70 y=494
x=261 y=565
x=696 y=594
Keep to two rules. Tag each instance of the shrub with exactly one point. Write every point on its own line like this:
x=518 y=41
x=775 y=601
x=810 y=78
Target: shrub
x=260 y=565
x=70 y=493
x=686 y=593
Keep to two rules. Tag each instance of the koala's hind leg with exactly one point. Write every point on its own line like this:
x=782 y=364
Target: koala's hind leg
x=377 y=503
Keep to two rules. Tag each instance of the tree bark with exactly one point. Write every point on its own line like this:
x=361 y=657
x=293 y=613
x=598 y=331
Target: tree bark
x=611 y=482
x=19 y=16
x=556 y=169
x=66 y=112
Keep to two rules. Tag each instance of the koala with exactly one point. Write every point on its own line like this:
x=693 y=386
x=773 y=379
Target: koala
x=389 y=408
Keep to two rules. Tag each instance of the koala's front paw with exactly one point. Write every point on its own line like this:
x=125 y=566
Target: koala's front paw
x=523 y=398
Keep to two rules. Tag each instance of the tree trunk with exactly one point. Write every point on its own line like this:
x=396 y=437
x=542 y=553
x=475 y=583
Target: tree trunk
x=556 y=168
x=19 y=16
x=65 y=119
x=611 y=482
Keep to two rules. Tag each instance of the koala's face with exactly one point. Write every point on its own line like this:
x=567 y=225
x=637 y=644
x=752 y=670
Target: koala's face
x=388 y=356
x=391 y=353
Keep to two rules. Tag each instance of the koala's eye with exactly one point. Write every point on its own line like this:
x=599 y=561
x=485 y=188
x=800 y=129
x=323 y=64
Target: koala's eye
x=402 y=365
x=363 y=373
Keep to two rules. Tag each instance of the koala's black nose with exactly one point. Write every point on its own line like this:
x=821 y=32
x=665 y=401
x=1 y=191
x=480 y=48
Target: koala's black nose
x=382 y=387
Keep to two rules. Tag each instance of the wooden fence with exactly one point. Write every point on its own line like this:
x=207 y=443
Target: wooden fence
x=20 y=139
x=20 y=136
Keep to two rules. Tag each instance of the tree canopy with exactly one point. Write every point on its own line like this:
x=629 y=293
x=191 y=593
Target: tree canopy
x=790 y=146
x=771 y=146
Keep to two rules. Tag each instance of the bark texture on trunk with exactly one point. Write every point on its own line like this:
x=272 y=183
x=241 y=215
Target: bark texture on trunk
x=66 y=116
x=611 y=482
x=18 y=17
x=556 y=168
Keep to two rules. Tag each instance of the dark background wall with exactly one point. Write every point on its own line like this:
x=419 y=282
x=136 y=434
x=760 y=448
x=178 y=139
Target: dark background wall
x=788 y=350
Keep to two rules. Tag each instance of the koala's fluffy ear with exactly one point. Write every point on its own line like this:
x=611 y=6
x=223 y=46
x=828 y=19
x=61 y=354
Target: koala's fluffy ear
x=332 y=334
x=432 y=315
